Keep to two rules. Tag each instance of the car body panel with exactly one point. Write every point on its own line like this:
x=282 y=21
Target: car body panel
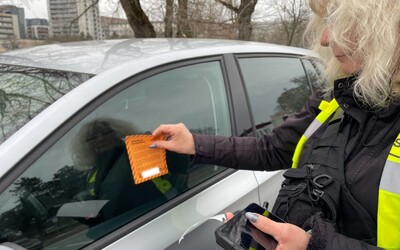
x=242 y=184
x=100 y=56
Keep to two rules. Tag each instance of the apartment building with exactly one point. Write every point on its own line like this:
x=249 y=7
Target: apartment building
x=113 y=27
x=19 y=13
x=89 y=23
x=74 y=18
x=9 y=27
x=37 y=28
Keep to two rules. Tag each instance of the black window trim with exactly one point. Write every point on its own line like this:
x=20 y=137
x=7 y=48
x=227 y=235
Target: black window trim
x=306 y=74
x=312 y=61
x=241 y=116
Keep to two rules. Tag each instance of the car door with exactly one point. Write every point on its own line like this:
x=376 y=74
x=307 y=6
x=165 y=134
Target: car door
x=277 y=86
x=76 y=188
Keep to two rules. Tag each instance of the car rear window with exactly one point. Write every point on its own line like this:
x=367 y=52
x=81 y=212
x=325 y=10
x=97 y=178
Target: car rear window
x=26 y=91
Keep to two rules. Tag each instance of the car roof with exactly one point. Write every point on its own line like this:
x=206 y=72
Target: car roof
x=102 y=55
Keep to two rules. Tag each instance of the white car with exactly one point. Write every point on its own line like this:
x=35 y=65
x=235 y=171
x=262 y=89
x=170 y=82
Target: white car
x=65 y=109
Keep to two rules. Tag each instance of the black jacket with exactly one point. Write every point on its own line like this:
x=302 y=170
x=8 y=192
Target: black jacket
x=371 y=136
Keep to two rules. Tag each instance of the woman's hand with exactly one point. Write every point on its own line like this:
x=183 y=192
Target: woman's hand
x=180 y=140
x=288 y=235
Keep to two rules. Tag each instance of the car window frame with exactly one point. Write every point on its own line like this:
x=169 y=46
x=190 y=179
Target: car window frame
x=300 y=57
x=313 y=61
x=241 y=116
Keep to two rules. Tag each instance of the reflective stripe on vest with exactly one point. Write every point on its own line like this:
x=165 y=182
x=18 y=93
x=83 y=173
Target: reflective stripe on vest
x=327 y=109
x=162 y=184
x=91 y=180
x=389 y=200
x=389 y=189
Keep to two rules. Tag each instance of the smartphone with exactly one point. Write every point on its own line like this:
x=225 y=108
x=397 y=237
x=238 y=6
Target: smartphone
x=239 y=234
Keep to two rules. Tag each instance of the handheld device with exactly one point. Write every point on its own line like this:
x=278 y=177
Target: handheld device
x=239 y=234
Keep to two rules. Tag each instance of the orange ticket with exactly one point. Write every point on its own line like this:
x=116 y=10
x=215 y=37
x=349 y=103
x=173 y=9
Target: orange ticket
x=146 y=163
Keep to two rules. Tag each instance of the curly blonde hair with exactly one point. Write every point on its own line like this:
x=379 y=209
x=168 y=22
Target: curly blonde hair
x=375 y=26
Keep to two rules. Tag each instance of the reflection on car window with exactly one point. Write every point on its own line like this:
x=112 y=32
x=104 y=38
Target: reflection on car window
x=24 y=92
x=276 y=87
x=82 y=188
x=312 y=72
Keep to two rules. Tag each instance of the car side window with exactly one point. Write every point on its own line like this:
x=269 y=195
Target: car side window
x=276 y=87
x=82 y=187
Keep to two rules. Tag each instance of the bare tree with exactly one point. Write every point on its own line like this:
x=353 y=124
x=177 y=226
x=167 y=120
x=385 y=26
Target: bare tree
x=292 y=17
x=168 y=19
x=92 y=5
x=137 y=19
x=183 y=28
x=196 y=18
x=209 y=19
x=185 y=18
x=243 y=16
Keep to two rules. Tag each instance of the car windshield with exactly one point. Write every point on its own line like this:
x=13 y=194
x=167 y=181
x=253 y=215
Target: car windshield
x=26 y=91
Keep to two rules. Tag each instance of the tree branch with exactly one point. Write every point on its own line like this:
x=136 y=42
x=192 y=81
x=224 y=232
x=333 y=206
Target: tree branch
x=251 y=4
x=227 y=5
x=83 y=13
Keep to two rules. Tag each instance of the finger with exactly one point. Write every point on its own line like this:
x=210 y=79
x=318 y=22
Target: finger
x=160 y=144
x=264 y=224
x=163 y=129
x=265 y=240
x=229 y=215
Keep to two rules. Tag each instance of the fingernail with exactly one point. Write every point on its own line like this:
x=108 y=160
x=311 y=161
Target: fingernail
x=153 y=145
x=251 y=216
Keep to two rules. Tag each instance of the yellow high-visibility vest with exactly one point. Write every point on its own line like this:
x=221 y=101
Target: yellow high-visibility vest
x=389 y=200
x=388 y=234
x=327 y=109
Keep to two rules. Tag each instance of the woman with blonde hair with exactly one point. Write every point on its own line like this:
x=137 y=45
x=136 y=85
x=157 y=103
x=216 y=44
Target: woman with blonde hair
x=342 y=153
